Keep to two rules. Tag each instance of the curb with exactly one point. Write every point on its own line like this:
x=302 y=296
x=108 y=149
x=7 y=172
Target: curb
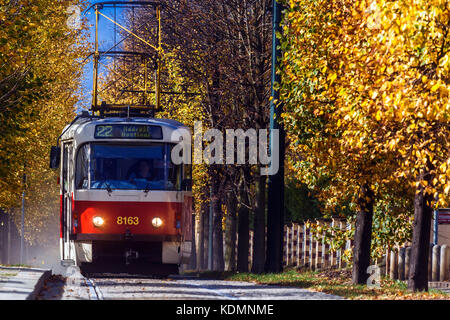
x=27 y=287
x=47 y=274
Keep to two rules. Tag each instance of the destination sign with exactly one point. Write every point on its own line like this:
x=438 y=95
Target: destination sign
x=128 y=131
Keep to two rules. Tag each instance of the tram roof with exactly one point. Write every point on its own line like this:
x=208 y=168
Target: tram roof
x=83 y=128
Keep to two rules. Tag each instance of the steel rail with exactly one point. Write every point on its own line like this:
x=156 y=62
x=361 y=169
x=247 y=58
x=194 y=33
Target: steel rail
x=94 y=291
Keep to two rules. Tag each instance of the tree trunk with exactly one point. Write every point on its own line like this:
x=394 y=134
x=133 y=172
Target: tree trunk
x=363 y=235
x=243 y=230
x=193 y=258
x=205 y=238
x=3 y=237
x=259 y=247
x=9 y=259
x=230 y=235
x=418 y=272
x=218 y=262
x=200 y=240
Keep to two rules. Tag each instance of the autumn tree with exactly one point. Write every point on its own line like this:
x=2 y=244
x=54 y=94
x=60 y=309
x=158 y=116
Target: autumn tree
x=40 y=80
x=366 y=88
x=313 y=90
x=221 y=49
x=230 y=42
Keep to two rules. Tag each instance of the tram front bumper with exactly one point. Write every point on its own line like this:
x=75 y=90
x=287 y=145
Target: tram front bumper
x=164 y=249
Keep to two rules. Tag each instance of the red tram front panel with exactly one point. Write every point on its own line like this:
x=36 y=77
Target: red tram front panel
x=133 y=216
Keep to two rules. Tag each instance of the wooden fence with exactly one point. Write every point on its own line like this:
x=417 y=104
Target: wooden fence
x=303 y=250
x=397 y=263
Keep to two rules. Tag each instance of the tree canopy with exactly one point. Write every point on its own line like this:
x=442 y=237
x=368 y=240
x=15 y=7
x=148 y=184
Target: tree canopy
x=40 y=77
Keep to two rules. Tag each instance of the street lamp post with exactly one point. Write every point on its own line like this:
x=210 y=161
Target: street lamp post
x=275 y=216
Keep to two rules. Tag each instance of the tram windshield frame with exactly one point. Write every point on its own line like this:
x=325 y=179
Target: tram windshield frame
x=119 y=166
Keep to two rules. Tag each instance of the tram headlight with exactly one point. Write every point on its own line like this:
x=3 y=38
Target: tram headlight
x=98 y=221
x=157 y=222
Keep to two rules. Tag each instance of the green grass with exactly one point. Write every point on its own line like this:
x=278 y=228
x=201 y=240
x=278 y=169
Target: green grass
x=15 y=265
x=7 y=274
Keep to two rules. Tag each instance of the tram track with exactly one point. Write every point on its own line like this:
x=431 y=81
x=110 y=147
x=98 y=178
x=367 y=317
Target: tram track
x=170 y=288
x=189 y=288
x=94 y=291
x=129 y=286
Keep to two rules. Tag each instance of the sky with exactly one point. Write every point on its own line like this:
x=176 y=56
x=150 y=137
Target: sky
x=106 y=41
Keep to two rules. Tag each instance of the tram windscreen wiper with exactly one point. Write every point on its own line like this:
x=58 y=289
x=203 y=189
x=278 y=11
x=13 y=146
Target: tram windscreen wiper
x=147 y=188
x=108 y=188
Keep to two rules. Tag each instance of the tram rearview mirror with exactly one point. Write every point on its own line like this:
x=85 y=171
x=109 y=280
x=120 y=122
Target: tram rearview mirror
x=55 y=157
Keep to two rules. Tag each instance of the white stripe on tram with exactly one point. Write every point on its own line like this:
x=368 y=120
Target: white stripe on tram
x=131 y=196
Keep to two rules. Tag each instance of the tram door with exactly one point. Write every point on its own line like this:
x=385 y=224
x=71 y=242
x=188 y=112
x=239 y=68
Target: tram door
x=66 y=217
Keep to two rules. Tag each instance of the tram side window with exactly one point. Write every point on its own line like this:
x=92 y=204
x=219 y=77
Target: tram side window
x=174 y=171
x=174 y=176
x=82 y=172
x=65 y=169
x=187 y=177
x=187 y=173
x=71 y=166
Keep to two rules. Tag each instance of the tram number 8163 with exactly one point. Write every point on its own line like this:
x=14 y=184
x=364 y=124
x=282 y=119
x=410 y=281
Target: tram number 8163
x=127 y=220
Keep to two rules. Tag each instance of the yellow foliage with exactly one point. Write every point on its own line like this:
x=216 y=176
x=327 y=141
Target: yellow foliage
x=41 y=58
x=379 y=111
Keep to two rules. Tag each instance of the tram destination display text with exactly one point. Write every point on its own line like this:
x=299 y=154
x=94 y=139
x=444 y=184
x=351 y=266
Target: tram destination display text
x=127 y=131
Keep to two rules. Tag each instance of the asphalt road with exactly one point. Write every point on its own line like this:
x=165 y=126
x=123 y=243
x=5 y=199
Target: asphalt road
x=77 y=287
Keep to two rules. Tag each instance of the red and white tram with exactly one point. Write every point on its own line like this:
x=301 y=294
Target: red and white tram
x=123 y=200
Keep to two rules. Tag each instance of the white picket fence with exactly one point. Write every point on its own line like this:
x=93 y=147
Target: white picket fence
x=302 y=250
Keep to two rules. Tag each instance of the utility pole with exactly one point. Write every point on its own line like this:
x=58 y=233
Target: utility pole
x=275 y=199
x=96 y=60
x=436 y=227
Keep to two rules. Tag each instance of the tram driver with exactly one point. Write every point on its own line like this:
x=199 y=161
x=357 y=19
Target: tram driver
x=143 y=171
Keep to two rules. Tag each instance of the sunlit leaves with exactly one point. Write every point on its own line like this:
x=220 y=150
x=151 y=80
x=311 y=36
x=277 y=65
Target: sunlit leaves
x=371 y=82
x=40 y=74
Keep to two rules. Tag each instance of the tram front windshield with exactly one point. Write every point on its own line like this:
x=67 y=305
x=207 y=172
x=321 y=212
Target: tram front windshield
x=127 y=167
